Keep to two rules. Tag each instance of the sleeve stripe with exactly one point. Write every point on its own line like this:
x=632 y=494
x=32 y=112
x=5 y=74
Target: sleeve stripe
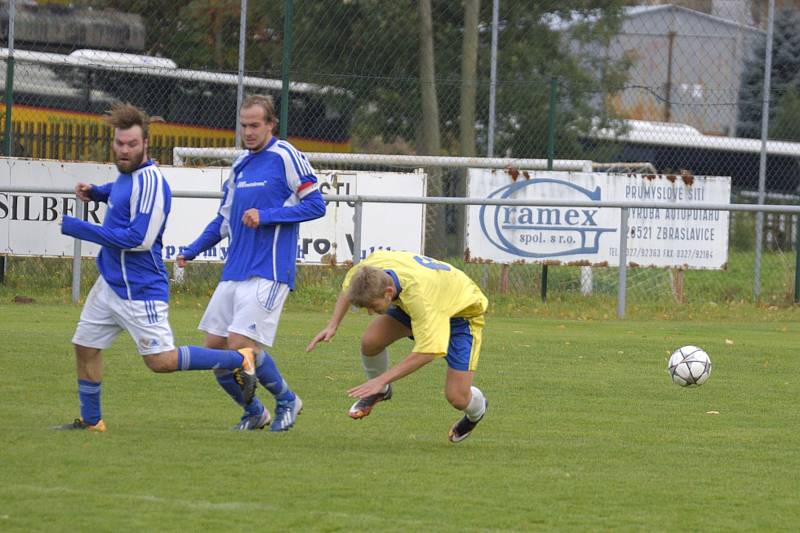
x=226 y=205
x=151 y=200
x=301 y=165
x=149 y=186
x=307 y=188
x=136 y=195
x=292 y=158
x=156 y=193
x=145 y=191
x=303 y=162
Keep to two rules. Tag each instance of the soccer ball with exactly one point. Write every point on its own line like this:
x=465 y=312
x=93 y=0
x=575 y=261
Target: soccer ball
x=689 y=366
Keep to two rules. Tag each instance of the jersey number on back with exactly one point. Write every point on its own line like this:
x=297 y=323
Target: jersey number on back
x=427 y=262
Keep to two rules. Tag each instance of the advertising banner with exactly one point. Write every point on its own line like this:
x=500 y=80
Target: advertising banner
x=590 y=236
x=29 y=221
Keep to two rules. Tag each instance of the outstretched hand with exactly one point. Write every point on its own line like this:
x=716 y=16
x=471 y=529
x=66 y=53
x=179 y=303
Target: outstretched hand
x=373 y=386
x=181 y=261
x=323 y=336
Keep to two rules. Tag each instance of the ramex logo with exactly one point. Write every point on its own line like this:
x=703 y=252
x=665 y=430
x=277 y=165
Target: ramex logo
x=544 y=231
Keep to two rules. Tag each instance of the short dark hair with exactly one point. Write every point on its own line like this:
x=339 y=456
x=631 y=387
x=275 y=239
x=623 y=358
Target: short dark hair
x=123 y=115
x=264 y=101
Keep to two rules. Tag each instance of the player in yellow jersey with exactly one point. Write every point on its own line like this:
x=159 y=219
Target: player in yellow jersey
x=430 y=301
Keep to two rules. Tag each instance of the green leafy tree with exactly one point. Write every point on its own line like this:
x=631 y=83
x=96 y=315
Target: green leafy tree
x=371 y=48
x=784 y=112
x=539 y=43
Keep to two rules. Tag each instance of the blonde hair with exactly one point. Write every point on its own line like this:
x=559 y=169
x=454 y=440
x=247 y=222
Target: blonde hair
x=264 y=102
x=367 y=285
x=123 y=115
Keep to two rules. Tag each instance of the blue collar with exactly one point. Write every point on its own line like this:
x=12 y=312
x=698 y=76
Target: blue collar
x=252 y=155
x=396 y=282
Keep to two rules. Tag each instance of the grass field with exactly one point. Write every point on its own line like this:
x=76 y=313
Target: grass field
x=584 y=432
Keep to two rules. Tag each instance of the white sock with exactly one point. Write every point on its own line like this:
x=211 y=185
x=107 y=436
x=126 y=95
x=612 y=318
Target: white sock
x=375 y=365
x=477 y=405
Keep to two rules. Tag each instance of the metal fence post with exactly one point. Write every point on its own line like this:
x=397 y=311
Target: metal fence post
x=623 y=262
x=357 y=219
x=551 y=152
x=9 y=144
x=797 y=263
x=240 y=81
x=76 y=255
x=762 y=163
x=493 y=79
x=283 y=124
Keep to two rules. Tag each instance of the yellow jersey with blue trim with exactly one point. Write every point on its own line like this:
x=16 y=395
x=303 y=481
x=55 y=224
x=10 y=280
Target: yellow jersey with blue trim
x=430 y=292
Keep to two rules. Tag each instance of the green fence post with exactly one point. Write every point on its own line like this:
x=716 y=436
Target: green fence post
x=283 y=126
x=797 y=263
x=551 y=151
x=9 y=139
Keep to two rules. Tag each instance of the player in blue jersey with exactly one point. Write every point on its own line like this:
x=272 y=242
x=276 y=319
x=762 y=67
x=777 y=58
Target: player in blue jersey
x=433 y=301
x=132 y=291
x=270 y=191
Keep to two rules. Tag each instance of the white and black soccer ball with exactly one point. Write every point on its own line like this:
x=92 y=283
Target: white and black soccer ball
x=689 y=366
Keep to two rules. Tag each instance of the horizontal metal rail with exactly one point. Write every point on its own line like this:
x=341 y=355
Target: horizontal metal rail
x=180 y=153
x=360 y=200
x=763 y=208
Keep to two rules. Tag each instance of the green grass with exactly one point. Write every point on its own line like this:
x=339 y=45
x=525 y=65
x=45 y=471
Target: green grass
x=50 y=280
x=584 y=432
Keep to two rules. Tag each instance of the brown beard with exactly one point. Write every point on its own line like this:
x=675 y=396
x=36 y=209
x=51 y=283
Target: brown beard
x=130 y=166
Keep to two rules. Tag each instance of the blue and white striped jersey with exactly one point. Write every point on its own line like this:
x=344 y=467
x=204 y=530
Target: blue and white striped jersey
x=130 y=237
x=280 y=182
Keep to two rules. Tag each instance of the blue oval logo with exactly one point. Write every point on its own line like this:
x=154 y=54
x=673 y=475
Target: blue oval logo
x=541 y=232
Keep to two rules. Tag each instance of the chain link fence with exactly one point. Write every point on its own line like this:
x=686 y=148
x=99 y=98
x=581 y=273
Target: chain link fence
x=671 y=88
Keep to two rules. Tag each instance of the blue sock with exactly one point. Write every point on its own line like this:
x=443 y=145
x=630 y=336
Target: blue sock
x=229 y=384
x=199 y=358
x=270 y=377
x=89 y=396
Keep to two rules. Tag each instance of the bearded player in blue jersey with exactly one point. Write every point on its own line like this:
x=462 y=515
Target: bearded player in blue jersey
x=270 y=190
x=132 y=291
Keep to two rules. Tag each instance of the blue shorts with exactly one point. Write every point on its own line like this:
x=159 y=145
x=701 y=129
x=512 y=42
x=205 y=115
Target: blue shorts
x=465 y=339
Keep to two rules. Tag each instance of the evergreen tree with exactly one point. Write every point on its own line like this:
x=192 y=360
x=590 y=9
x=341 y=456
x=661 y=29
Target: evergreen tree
x=784 y=111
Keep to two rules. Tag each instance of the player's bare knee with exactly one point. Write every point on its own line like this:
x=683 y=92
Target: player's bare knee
x=372 y=345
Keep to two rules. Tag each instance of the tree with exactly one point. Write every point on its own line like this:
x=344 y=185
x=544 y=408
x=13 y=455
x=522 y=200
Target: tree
x=430 y=138
x=784 y=111
x=370 y=48
x=467 y=104
x=469 y=66
x=538 y=42
x=411 y=91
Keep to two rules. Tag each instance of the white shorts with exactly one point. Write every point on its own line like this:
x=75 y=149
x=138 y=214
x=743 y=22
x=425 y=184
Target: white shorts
x=105 y=315
x=251 y=308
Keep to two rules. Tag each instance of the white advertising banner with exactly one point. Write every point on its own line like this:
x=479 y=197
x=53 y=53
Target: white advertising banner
x=590 y=236
x=29 y=221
